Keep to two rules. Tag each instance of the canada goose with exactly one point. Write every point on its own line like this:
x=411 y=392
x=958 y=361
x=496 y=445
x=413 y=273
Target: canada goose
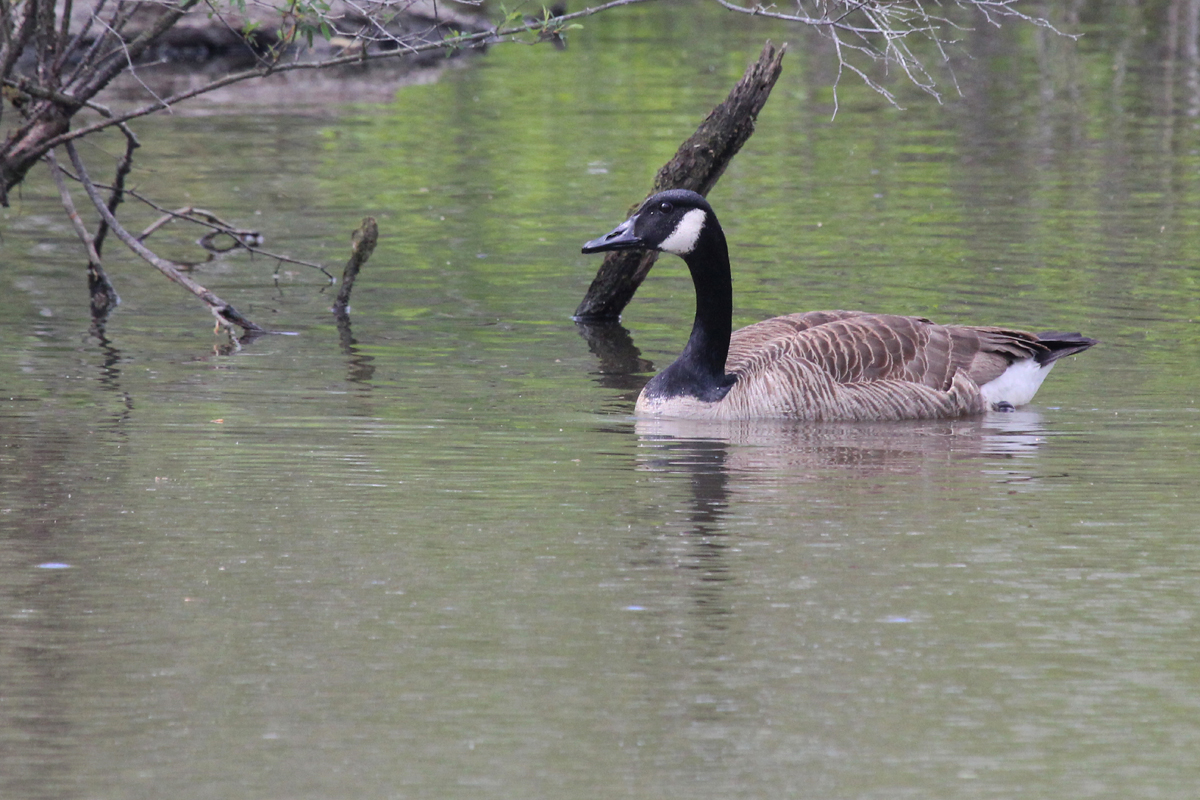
x=821 y=365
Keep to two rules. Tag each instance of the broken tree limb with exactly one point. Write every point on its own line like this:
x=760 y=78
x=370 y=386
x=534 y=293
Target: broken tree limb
x=697 y=165
x=362 y=245
x=226 y=315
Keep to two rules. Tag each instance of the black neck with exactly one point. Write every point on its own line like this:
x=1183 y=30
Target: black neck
x=708 y=262
x=700 y=369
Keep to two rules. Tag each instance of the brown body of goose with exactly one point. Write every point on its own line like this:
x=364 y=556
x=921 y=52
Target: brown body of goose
x=821 y=365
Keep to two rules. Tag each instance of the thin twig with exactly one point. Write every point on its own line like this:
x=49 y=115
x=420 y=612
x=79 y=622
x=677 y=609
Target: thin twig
x=241 y=236
x=882 y=32
x=77 y=39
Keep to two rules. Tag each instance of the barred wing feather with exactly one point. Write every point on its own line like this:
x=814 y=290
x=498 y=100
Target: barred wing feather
x=850 y=365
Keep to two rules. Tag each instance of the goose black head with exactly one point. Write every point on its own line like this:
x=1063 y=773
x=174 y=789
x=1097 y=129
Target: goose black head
x=669 y=221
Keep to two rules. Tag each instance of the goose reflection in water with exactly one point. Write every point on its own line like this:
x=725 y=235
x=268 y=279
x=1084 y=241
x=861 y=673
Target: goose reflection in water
x=869 y=448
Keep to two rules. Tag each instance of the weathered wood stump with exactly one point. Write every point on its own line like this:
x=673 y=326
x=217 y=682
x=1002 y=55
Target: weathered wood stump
x=697 y=165
x=362 y=245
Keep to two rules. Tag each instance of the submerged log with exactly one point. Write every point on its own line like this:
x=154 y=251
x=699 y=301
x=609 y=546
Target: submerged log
x=697 y=165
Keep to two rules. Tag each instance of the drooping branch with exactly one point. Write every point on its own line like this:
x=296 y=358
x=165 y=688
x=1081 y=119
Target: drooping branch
x=225 y=314
x=879 y=32
x=103 y=294
x=697 y=165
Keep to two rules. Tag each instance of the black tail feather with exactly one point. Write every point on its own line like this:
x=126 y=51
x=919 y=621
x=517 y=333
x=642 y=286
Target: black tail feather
x=1060 y=343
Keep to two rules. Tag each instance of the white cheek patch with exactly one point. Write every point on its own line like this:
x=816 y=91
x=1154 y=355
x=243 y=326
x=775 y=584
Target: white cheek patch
x=683 y=239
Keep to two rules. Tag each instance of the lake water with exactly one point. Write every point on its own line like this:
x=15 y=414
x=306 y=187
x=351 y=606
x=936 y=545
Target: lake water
x=433 y=555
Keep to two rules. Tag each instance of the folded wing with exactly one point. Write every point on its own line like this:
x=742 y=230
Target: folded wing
x=852 y=365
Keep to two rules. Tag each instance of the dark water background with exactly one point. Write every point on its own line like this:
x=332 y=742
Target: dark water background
x=434 y=557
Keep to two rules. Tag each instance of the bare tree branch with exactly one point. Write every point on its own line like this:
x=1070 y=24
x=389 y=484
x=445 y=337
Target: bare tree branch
x=89 y=241
x=47 y=119
x=87 y=85
x=103 y=294
x=879 y=32
x=244 y=239
x=462 y=42
x=226 y=315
